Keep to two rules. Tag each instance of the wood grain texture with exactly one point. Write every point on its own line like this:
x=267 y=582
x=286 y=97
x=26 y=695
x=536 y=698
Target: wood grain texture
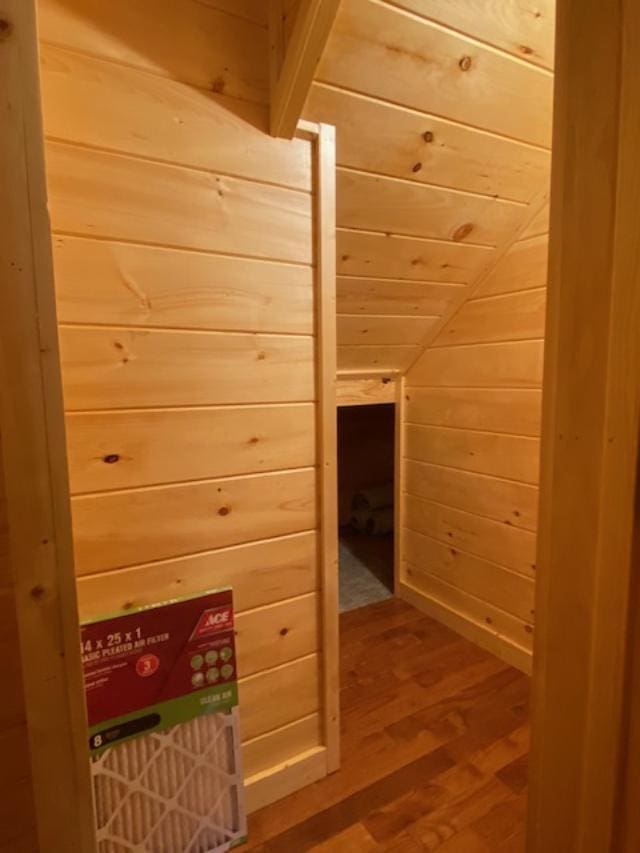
x=524 y=266
x=119 y=450
x=376 y=203
x=388 y=296
x=303 y=34
x=481 y=537
x=365 y=391
x=186 y=246
x=298 y=681
x=117 y=529
x=478 y=620
x=480 y=577
x=539 y=225
x=252 y=10
x=511 y=316
x=374 y=330
x=514 y=410
x=516 y=27
x=164 y=120
x=276 y=634
x=40 y=660
x=584 y=767
x=411 y=55
x=448 y=725
x=170 y=288
x=261 y=753
x=437 y=141
x=116 y=368
x=507 y=456
x=387 y=358
x=92 y=193
x=472 y=442
x=361 y=253
x=195 y=42
x=495 y=365
x=451 y=156
x=485 y=495
x=260 y=573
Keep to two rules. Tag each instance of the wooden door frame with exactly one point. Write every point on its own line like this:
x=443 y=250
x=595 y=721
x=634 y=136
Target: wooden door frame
x=586 y=620
x=587 y=634
x=34 y=456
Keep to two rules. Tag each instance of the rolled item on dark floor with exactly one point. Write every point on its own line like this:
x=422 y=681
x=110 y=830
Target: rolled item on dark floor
x=359 y=518
x=374 y=497
x=380 y=521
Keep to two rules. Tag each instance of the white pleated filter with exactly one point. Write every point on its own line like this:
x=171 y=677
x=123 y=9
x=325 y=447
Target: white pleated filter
x=172 y=791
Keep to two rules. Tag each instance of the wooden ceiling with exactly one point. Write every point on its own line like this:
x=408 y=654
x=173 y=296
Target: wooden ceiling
x=443 y=112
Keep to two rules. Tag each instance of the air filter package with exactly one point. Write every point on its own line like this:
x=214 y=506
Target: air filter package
x=162 y=696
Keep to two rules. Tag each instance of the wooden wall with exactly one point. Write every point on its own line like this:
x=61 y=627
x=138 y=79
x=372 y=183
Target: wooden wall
x=443 y=118
x=471 y=448
x=17 y=809
x=184 y=272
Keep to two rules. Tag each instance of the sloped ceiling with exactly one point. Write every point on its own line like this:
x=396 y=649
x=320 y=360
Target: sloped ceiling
x=443 y=113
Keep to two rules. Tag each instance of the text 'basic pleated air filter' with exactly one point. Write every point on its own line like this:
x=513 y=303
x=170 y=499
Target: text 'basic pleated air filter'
x=161 y=690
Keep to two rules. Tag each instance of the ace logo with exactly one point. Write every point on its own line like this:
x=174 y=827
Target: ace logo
x=213 y=621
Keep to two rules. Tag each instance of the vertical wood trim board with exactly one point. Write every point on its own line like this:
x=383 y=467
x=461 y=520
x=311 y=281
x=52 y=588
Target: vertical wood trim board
x=587 y=611
x=327 y=432
x=294 y=62
x=35 y=477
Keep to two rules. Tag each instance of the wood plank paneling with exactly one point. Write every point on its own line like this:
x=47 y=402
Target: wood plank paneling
x=508 y=456
x=523 y=266
x=98 y=194
x=507 y=635
x=485 y=538
x=361 y=253
x=393 y=358
x=119 y=450
x=472 y=442
x=295 y=687
x=377 y=203
x=183 y=39
x=487 y=496
x=382 y=330
x=260 y=573
x=513 y=410
x=184 y=244
x=155 y=286
x=363 y=392
x=388 y=296
x=164 y=120
x=117 y=529
x=116 y=368
x=278 y=633
x=411 y=56
x=252 y=10
x=539 y=225
x=451 y=155
x=263 y=752
x=484 y=365
x=510 y=316
x=516 y=27
x=487 y=581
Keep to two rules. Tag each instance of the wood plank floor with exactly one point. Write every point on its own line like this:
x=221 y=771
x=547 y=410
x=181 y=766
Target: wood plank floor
x=435 y=738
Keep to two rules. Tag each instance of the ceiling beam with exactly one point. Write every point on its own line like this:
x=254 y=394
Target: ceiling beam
x=293 y=64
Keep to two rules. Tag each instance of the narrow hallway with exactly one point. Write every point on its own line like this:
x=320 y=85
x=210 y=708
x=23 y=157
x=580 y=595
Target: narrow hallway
x=435 y=735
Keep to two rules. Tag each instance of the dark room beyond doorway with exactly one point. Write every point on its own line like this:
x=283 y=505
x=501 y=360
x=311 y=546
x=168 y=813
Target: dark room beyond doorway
x=365 y=503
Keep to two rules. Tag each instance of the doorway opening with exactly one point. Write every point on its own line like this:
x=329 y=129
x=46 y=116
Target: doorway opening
x=366 y=453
